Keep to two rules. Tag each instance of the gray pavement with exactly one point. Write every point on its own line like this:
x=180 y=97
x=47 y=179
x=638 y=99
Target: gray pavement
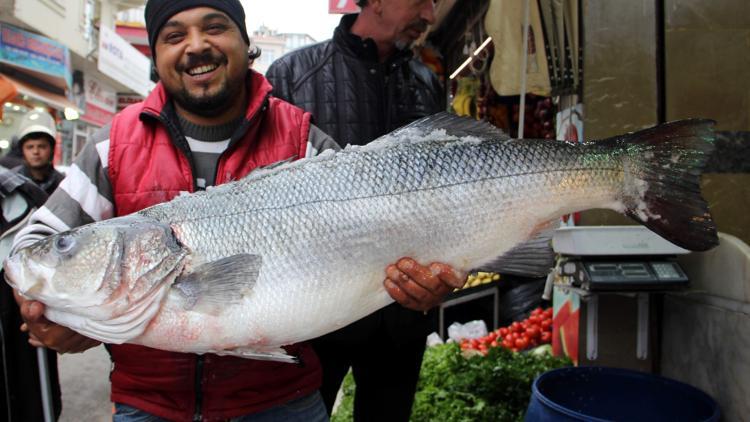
x=84 y=380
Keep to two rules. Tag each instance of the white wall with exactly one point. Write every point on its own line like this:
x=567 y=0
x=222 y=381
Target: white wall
x=61 y=20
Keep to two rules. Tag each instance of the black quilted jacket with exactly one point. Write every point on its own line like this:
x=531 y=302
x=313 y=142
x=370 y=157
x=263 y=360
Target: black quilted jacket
x=353 y=97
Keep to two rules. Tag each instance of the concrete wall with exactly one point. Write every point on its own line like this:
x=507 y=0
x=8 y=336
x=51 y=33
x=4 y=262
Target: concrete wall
x=619 y=67
x=708 y=75
x=705 y=335
x=706 y=62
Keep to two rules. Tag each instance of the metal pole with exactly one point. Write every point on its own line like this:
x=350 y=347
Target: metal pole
x=524 y=66
x=44 y=384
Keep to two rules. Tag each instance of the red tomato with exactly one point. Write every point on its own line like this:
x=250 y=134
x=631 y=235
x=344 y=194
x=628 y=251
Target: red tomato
x=521 y=343
x=547 y=324
x=507 y=344
x=533 y=332
x=492 y=336
x=537 y=311
x=546 y=337
x=548 y=313
x=534 y=319
x=503 y=332
x=494 y=344
x=515 y=327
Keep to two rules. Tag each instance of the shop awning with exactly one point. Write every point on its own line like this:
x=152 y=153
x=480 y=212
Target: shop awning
x=8 y=91
x=57 y=101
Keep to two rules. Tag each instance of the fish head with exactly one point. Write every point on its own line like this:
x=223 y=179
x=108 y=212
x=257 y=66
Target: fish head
x=101 y=270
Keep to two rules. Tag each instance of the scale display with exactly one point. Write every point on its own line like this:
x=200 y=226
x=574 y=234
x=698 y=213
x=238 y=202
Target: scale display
x=634 y=271
x=606 y=274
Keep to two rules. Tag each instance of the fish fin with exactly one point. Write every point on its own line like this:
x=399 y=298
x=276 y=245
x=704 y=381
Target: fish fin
x=662 y=185
x=275 y=355
x=533 y=258
x=455 y=126
x=212 y=286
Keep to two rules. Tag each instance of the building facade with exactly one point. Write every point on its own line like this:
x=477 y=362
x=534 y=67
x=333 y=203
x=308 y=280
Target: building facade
x=67 y=58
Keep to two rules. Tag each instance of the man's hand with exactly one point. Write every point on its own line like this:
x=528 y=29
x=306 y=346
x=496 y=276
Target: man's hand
x=421 y=287
x=45 y=333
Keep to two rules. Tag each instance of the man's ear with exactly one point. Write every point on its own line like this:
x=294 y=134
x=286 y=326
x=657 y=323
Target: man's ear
x=154 y=74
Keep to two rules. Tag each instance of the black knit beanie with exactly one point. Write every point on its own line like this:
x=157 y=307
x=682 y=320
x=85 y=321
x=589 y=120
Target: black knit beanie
x=158 y=13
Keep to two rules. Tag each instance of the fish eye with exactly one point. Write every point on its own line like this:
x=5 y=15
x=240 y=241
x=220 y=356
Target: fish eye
x=64 y=244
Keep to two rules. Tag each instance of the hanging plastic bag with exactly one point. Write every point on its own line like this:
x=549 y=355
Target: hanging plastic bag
x=504 y=23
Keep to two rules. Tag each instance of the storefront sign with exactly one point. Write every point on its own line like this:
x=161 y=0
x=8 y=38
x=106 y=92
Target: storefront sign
x=34 y=52
x=124 y=100
x=342 y=6
x=101 y=102
x=123 y=63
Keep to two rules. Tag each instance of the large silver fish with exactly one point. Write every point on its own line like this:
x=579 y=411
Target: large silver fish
x=291 y=253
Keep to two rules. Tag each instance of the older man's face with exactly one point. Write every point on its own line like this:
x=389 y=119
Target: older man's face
x=405 y=20
x=202 y=60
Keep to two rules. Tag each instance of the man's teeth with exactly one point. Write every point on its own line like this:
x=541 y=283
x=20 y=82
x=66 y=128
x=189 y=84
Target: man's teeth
x=202 y=69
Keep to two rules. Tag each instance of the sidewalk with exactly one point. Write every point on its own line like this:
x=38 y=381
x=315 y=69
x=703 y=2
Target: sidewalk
x=84 y=379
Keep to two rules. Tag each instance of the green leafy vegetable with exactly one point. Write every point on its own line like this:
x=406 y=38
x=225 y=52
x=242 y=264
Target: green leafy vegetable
x=495 y=387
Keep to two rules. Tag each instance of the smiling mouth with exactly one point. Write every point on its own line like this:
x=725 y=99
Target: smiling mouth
x=200 y=70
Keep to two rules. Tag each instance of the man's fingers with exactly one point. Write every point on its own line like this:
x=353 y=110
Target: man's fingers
x=35 y=343
x=35 y=310
x=447 y=274
x=419 y=274
x=399 y=295
x=420 y=290
x=32 y=311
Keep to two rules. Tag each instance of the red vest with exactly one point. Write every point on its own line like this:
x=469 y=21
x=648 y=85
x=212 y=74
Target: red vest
x=146 y=168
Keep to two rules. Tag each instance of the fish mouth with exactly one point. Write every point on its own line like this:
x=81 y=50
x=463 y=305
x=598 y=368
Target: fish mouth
x=13 y=274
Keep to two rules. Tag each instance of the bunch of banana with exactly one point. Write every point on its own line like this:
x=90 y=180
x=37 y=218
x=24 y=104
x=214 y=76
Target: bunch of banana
x=479 y=278
x=464 y=102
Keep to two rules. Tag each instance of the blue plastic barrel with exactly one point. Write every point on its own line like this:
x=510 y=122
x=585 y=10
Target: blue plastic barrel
x=613 y=394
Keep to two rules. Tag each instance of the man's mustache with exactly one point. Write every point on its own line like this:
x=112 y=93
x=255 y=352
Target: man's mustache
x=194 y=60
x=420 y=25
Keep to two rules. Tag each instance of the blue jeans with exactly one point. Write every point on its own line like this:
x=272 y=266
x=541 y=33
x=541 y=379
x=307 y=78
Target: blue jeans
x=304 y=409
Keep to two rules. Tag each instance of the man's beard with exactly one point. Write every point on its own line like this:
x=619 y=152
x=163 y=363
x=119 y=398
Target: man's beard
x=406 y=42
x=206 y=105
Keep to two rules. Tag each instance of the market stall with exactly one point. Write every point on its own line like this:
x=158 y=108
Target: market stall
x=520 y=66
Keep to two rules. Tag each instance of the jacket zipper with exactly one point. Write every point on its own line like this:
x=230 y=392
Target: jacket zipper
x=244 y=126
x=197 y=417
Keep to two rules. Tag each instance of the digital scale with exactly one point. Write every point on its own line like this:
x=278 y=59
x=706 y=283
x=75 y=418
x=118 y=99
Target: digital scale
x=618 y=258
x=608 y=278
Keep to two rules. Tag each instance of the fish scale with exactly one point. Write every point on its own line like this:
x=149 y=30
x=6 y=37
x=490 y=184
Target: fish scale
x=321 y=231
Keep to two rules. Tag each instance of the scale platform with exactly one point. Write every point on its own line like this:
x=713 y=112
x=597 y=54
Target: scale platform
x=617 y=258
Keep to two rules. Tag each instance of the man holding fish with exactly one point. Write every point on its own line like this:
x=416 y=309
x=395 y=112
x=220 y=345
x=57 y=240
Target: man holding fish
x=210 y=120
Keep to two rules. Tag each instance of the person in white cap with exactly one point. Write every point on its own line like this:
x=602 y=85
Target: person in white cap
x=37 y=140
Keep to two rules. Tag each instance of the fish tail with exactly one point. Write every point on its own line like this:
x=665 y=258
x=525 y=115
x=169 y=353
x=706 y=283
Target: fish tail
x=663 y=167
